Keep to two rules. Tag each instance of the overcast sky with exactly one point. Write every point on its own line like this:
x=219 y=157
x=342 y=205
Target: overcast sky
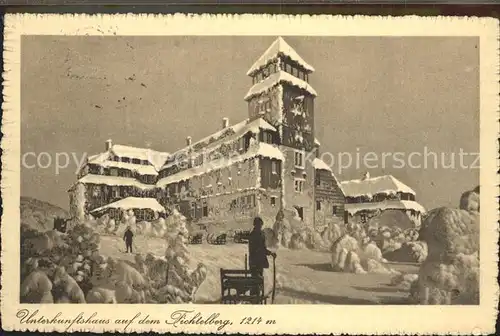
x=374 y=95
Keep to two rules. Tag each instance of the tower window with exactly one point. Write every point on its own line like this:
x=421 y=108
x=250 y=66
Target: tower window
x=267 y=137
x=299 y=159
x=318 y=205
x=273 y=200
x=274 y=167
x=299 y=185
x=265 y=72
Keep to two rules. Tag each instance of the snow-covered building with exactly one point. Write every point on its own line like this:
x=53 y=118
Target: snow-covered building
x=118 y=173
x=369 y=196
x=267 y=162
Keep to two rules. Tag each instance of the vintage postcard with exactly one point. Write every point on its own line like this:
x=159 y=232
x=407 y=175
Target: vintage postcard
x=250 y=174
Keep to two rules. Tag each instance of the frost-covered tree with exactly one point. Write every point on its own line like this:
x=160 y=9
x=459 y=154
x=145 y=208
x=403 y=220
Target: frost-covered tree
x=182 y=282
x=77 y=202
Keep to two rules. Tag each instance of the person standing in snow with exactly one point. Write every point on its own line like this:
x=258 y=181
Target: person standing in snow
x=127 y=237
x=257 y=250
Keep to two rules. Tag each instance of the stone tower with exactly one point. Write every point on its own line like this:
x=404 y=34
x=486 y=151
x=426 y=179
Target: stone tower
x=282 y=95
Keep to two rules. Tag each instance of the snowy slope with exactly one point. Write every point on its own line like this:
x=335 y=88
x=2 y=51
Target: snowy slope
x=39 y=214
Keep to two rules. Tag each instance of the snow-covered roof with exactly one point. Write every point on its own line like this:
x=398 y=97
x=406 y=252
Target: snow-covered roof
x=275 y=79
x=157 y=159
x=114 y=181
x=239 y=130
x=134 y=203
x=98 y=158
x=258 y=149
x=320 y=164
x=386 y=184
x=277 y=48
x=141 y=169
x=354 y=208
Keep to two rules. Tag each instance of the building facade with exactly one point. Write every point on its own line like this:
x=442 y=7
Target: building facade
x=371 y=196
x=267 y=162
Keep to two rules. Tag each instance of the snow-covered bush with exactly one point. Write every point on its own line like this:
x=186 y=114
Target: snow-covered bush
x=314 y=241
x=36 y=288
x=297 y=241
x=404 y=280
x=282 y=229
x=332 y=232
x=413 y=251
x=340 y=249
x=270 y=237
x=450 y=274
x=64 y=258
x=349 y=255
x=66 y=289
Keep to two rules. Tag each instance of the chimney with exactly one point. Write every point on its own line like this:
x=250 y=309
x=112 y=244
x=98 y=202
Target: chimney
x=188 y=141
x=225 y=123
x=109 y=144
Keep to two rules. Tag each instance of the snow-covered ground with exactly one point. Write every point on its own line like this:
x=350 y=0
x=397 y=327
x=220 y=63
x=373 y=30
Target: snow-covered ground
x=304 y=276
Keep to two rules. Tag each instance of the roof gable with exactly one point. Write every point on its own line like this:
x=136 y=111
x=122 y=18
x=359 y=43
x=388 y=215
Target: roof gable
x=228 y=134
x=377 y=185
x=277 y=48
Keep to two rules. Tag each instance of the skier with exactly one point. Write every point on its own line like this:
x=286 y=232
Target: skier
x=127 y=237
x=257 y=250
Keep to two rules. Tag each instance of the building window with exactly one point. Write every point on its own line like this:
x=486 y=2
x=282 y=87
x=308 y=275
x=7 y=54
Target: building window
x=113 y=172
x=299 y=185
x=241 y=143
x=273 y=201
x=265 y=72
x=299 y=159
x=274 y=167
x=193 y=210
x=334 y=210
x=205 y=211
x=318 y=181
x=116 y=191
x=267 y=137
x=318 y=205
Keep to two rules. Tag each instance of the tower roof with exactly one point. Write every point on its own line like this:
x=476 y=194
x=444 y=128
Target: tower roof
x=277 y=48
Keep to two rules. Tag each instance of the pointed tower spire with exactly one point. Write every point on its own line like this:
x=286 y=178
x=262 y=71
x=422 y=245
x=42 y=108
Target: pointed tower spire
x=279 y=48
